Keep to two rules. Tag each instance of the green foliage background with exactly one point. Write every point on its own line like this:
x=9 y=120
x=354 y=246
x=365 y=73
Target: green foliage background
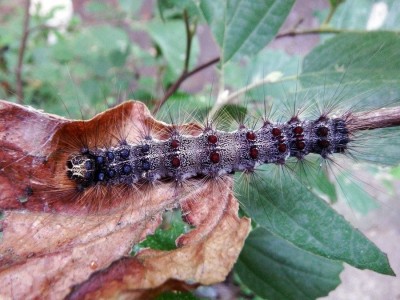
x=299 y=243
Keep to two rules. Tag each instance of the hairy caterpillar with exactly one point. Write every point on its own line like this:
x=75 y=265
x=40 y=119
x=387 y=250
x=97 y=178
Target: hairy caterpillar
x=83 y=165
x=214 y=153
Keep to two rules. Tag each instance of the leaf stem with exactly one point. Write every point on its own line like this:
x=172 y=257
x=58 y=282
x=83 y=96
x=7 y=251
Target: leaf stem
x=319 y=30
x=173 y=88
x=189 y=38
x=332 y=11
x=185 y=72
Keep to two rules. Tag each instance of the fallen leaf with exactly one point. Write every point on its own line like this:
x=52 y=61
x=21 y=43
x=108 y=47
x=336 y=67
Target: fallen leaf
x=206 y=261
x=52 y=243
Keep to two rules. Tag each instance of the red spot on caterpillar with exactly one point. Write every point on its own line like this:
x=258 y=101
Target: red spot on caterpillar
x=214 y=157
x=251 y=136
x=212 y=139
x=175 y=144
x=93 y=265
x=300 y=145
x=175 y=161
x=322 y=131
x=276 y=132
x=282 y=148
x=298 y=130
x=253 y=152
x=323 y=143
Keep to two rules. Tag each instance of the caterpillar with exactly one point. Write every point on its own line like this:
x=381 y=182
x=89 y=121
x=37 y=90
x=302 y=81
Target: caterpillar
x=82 y=166
x=213 y=153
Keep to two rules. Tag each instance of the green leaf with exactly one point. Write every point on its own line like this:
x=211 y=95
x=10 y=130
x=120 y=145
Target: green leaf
x=357 y=51
x=176 y=296
x=354 y=194
x=380 y=146
x=165 y=236
x=335 y=3
x=214 y=13
x=271 y=64
x=358 y=71
x=243 y=28
x=229 y=116
x=130 y=7
x=174 y=8
x=238 y=74
x=182 y=107
x=282 y=204
x=62 y=51
x=275 y=269
x=118 y=58
x=367 y=15
x=101 y=39
x=395 y=172
x=314 y=174
x=360 y=62
x=171 y=38
x=324 y=185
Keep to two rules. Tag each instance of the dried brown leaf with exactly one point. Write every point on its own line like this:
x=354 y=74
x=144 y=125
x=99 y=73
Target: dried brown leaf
x=52 y=242
x=205 y=261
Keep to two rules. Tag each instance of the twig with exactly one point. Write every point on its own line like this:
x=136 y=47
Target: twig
x=381 y=118
x=321 y=30
x=183 y=76
x=173 y=88
x=332 y=10
x=189 y=37
x=21 y=52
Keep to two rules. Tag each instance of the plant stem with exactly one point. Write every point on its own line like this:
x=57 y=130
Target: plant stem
x=329 y=17
x=173 y=88
x=320 y=30
x=189 y=38
x=185 y=72
x=381 y=118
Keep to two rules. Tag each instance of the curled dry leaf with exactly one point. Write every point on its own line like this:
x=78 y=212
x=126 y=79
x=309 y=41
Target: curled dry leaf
x=56 y=244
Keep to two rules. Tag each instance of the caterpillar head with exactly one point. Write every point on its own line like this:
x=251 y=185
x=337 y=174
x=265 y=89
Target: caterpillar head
x=81 y=169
